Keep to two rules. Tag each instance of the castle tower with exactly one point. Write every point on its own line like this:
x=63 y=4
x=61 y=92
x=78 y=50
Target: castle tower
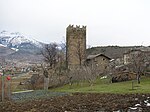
x=75 y=45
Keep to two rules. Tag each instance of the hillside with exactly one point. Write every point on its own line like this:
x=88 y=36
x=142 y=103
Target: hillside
x=110 y=51
x=25 y=56
x=4 y=51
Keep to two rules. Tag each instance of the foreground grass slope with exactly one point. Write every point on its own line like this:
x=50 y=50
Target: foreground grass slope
x=104 y=86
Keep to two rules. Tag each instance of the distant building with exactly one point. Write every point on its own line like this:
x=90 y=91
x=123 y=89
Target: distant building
x=75 y=45
x=127 y=57
x=99 y=61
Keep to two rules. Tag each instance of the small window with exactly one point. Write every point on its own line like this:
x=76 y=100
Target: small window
x=95 y=60
x=103 y=59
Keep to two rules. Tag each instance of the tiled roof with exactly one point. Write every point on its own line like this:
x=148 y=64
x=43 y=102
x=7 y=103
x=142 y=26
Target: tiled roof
x=97 y=55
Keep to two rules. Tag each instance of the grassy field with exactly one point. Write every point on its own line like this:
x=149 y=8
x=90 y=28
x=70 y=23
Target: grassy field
x=104 y=86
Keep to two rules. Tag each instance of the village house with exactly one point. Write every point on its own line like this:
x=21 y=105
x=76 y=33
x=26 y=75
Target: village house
x=127 y=57
x=99 y=61
x=138 y=58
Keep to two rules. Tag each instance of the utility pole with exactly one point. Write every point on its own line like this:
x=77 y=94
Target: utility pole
x=9 y=92
x=2 y=75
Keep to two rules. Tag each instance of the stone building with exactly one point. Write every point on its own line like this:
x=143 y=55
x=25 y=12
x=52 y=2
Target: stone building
x=138 y=60
x=99 y=61
x=127 y=56
x=75 y=45
x=143 y=51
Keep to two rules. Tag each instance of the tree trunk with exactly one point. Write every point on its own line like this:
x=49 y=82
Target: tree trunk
x=138 y=78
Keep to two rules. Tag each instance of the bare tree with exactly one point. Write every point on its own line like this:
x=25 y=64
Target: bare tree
x=139 y=63
x=61 y=66
x=49 y=53
x=64 y=56
x=54 y=55
x=91 y=73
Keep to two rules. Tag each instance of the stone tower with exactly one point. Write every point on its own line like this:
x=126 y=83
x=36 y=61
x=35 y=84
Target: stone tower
x=75 y=45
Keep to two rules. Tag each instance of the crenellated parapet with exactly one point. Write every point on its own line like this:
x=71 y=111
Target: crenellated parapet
x=77 y=28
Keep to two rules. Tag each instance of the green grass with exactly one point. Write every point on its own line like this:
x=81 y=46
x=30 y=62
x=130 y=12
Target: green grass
x=104 y=86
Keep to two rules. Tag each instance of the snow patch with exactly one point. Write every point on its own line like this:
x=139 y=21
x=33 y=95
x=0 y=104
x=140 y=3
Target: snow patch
x=146 y=101
x=104 y=77
x=148 y=104
x=133 y=108
x=14 y=49
x=3 y=45
x=117 y=111
x=137 y=105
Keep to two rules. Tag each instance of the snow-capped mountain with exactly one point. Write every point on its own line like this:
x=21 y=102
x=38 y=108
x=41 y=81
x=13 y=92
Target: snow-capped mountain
x=16 y=41
x=15 y=46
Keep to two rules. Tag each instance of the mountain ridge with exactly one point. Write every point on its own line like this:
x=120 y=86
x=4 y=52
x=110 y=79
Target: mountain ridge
x=15 y=40
x=14 y=45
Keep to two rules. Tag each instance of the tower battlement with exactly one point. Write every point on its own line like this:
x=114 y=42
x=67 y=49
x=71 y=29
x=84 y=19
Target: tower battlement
x=76 y=28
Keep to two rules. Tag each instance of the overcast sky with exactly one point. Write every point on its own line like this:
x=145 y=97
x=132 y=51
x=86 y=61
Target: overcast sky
x=109 y=22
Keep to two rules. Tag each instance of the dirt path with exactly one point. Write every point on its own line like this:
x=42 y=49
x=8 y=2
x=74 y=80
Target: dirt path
x=83 y=102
